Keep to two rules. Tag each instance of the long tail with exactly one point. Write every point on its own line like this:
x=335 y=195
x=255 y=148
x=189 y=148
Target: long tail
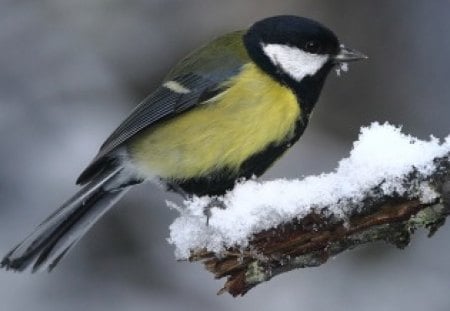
x=51 y=240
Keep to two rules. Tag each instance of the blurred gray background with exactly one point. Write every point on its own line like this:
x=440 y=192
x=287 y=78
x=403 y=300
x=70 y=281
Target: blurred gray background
x=70 y=71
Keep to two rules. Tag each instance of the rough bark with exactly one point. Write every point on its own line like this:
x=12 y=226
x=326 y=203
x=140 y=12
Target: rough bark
x=312 y=240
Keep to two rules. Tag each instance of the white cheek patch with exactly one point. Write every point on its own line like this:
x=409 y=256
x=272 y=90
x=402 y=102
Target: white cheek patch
x=294 y=61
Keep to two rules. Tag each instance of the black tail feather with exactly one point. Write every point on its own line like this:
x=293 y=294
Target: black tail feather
x=53 y=238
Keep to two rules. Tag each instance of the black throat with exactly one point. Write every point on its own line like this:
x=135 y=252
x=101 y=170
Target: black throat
x=307 y=90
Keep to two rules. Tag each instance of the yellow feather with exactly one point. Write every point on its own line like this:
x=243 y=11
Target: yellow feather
x=252 y=113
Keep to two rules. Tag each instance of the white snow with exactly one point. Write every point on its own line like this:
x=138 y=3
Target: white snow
x=341 y=67
x=382 y=156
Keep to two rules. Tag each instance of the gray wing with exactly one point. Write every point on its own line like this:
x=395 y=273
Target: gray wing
x=161 y=105
x=202 y=73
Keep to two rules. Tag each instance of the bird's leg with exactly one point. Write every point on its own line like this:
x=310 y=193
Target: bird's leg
x=213 y=203
x=175 y=188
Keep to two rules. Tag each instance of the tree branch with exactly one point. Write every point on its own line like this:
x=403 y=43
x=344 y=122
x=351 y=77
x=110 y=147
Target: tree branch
x=311 y=240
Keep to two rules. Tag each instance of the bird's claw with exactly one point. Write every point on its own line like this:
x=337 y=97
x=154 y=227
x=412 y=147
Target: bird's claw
x=213 y=203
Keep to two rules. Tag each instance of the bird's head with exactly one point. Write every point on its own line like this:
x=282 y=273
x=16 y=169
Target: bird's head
x=297 y=51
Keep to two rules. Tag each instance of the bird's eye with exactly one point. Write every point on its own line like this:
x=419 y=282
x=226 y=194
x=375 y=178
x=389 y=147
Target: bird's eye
x=312 y=47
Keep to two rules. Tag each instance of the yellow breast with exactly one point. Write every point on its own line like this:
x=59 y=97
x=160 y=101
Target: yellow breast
x=252 y=113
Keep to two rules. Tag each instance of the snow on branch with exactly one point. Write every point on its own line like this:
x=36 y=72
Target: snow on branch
x=390 y=185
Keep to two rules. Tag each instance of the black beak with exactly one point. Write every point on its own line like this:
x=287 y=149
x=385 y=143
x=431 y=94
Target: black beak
x=346 y=55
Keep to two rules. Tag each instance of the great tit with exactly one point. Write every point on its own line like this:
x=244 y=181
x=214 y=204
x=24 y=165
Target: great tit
x=225 y=112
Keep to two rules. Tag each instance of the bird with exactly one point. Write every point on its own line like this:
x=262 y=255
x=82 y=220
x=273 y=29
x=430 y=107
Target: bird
x=225 y=112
